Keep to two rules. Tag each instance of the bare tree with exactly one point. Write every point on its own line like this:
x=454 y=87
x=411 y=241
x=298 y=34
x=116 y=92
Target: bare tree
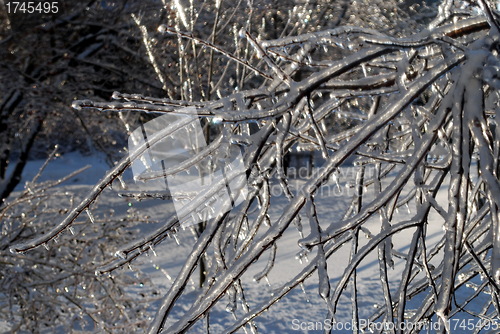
x=54 y=288
x=421 y=112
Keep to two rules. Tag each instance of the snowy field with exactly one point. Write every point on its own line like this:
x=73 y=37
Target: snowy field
x=300 y=311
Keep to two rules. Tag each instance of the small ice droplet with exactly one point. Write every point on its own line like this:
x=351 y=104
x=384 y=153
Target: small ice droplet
x=230 y=308
x=163 y=28
x=15 y=251
x=120 y=254
x=462 y=277
x=76 y=105
x=217 y=120
x=242 y=33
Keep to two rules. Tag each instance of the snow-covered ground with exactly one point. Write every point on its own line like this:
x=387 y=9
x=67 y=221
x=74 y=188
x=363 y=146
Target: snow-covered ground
x=65 y=164
x=302 y=310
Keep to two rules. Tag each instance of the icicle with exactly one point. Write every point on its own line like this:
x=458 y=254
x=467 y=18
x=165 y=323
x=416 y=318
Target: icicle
x=46 y=246
x=267 y=280
x=363 y=67
x=304 y=291
x=302 y=287
x=164 y=272
x=151 y=248
x=71 y=230
x=175 y=238
x=230 y=308
x=306 y=258
x=267 y=221
x=122 y=182
x=91 y=217
x=337 y=184
x=194 y=285
x=299 y=257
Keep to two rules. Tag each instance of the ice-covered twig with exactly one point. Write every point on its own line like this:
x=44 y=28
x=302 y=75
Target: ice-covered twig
x=365 y=250
x=261 y=53
x=330 y=249
x=98 y=189
x=395 y=185
x=164 y=28
x=180 y=281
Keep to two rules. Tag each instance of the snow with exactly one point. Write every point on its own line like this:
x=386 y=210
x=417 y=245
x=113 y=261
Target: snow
x=66 y=164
